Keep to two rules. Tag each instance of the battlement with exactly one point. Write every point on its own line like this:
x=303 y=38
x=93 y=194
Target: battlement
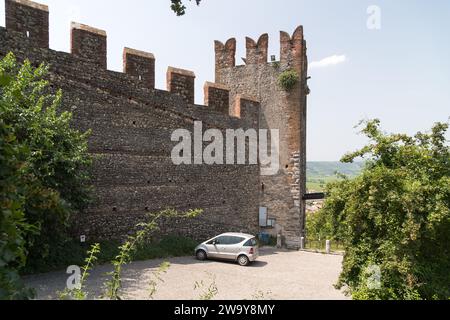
x=225 y=53
x=246 y=107
x=29 y=19
x=292 y=51
x=141 y=65
x=181 y=82
x=217 y=97
x=257 y=52
x=89 y=43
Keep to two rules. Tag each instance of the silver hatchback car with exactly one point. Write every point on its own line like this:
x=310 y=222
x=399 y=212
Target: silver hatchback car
x=239 y=247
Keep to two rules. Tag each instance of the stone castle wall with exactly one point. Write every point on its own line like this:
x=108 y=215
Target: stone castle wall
x=131 y=125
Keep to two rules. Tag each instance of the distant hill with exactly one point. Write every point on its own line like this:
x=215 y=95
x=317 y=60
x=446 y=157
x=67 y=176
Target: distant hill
x=319 y=173
x=326 y=169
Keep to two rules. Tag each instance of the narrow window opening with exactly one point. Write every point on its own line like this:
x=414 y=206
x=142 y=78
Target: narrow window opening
x=28 y=34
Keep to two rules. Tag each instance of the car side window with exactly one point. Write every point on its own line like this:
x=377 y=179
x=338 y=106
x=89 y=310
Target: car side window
x=235 y=240
x=220 y=240
x=226 y=240
x=251 y=243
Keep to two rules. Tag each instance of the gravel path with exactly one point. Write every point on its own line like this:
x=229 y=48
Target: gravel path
x=278 y=274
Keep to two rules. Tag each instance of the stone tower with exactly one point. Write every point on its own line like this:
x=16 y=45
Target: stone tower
x=281 y=195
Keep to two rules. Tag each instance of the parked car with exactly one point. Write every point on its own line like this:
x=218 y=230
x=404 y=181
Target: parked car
x=238 y=247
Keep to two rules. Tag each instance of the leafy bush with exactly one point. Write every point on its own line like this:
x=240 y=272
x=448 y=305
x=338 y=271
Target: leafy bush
x=395 y=216
x=288 y=79
x=43 y=167
x=13 y=226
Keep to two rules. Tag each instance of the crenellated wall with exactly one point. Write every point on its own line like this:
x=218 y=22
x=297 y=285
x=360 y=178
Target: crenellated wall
x=140 y=65
x=132 y=123
x=30 y=19
x=282 y=194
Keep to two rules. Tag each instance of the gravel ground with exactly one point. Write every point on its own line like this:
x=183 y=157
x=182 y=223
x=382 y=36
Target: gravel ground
x=277 y=274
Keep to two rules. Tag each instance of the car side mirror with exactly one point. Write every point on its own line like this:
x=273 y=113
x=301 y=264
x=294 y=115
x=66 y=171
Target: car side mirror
x=214 y=242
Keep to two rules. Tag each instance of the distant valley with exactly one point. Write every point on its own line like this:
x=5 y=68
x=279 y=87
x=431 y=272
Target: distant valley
x=319 y=173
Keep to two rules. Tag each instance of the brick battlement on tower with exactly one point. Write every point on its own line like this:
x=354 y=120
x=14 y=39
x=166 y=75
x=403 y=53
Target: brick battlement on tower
x=281 y=196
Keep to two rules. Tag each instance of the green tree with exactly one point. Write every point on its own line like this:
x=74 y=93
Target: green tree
x=179 y=8
x=44 y=161
x=395 y=216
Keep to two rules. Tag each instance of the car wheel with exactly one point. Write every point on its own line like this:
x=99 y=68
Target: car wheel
x=243 y=260
x=201 y=255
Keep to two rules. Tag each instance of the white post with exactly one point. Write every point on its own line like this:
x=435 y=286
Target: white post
x=328 y=247
x=279 y=241
x=302 y=243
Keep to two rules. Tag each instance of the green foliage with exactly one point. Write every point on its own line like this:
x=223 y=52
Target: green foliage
x=168 y=246
x=288 y=79
x=156 y=278
x=73 y=253
x=13 y=225
x=42 y=170
x=80 y=293
x=208 y=291
x=319 y=227
x=179 y=8
x=395 y=215
x=130 y=247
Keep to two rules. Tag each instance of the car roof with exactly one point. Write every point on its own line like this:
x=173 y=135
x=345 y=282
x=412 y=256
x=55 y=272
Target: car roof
x=236 y=234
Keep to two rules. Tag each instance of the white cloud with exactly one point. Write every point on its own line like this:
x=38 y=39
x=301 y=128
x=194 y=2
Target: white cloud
x=328 y=61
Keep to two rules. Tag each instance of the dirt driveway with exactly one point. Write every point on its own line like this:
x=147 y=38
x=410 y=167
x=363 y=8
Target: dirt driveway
x=278 y=274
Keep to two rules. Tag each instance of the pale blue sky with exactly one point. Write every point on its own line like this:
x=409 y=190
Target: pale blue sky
x=400 y=74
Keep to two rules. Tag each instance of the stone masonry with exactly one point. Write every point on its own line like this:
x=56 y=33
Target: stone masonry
x=132 y=123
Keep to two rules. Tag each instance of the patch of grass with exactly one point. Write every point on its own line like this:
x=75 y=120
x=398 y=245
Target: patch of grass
x=74 y=253
x=170 y=246
x=318 y=183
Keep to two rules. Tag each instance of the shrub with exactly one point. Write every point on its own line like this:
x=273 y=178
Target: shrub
x=395 y=216
x=288 y=79
x=44 y=167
